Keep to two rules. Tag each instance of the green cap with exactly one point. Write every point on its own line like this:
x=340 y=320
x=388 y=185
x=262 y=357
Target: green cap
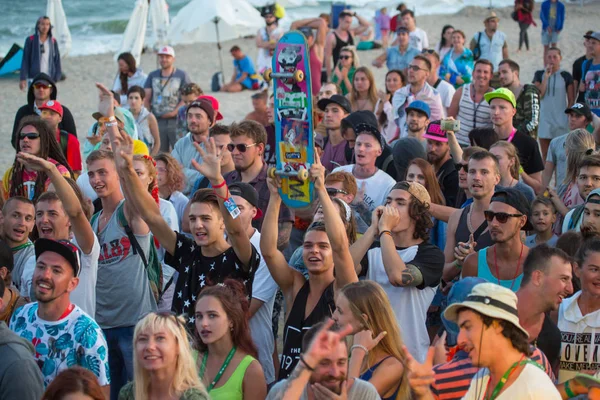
x=501 y=93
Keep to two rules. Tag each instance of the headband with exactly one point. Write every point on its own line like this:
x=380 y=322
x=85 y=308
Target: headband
x=347 y=209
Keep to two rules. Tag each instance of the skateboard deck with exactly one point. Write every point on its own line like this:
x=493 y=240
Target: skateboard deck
x=293 y=119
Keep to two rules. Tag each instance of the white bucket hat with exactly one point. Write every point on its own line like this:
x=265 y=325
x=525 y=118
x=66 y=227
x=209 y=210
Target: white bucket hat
x=490 y=300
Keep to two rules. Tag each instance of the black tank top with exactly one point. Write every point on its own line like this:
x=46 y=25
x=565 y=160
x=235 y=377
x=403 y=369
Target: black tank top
x=296 y=326
x=339 y=44
x=548 y=341
x=462 y=232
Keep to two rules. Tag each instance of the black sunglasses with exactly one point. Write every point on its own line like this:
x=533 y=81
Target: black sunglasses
x=30 y=135
x=502 y=217
x=240 y=147
x=333 y=191
x=345 y=57
x=427 y=51
x=459 y=166
x=416 y=68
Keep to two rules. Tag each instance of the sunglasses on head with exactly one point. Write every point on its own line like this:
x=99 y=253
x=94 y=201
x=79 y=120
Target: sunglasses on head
x=501 y=217
x=464 y=167
x=333 y=191
x=240 y=147
x=29 y=135
x=345 y=57
x=41 y=86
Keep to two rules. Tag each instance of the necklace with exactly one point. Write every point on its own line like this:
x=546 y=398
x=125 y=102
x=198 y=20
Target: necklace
x=469 y=225
x=516 y=269
x=223 y=367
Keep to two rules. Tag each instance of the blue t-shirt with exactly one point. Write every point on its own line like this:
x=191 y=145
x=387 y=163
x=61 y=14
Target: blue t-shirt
x=590 y=74
x=245 y=65
x=396 y=60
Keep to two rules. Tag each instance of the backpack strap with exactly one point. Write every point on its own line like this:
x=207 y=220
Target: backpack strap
x=64 y=140
x=137 y=249
x=575 y=217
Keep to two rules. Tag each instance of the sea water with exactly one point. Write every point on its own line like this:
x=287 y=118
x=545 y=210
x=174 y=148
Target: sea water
x=98 y=25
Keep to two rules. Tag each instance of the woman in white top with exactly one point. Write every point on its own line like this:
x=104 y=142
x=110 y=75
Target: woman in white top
x=129 y=75
x=394 y=80
x=144 y=120
x=445 y=43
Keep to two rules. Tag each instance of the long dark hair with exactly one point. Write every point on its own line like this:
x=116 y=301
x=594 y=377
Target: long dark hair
x=383 y=117
x=443 y=40
x=49 y=148
x=232 y=296
x=431 y=183
x=129 y=59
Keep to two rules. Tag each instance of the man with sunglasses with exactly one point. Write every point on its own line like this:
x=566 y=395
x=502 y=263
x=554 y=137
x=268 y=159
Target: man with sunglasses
x=201 y=116
x=42 y=89
x=40 y=54
x=267 y=37
x=61 y=332
x=419 y=70
x=502 y=262
x=342 y=185
x=247 y=147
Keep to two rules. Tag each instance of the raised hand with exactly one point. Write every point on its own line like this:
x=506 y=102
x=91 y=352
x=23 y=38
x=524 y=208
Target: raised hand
x=360 y=194
x=274 y=185
x=375 y=216
x=122 y=146
x=365 y=338
x=322 y=393
x=325 y=342
x=390 y=218
x=33 y=162
x=211 y=161
x=420 y=376
x=317 y=174
x=462 y=250
x=105 y=101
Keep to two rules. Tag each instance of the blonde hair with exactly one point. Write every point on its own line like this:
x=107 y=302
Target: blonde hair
x=372 y=93
x=355 y=59
x=511 y=153
x=186 y=375
x=578 y=144
x=369 y=298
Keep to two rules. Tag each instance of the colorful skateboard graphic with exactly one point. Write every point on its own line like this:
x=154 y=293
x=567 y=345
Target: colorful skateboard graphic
x=293 y=119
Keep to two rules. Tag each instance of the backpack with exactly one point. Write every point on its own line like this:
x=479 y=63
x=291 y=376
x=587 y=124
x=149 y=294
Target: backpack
x=477 y=49
x=151 y=264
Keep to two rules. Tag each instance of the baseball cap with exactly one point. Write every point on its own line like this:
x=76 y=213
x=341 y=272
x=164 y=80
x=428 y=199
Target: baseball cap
x=593 y=35
x=402 y=29
x=501 y=93
x=336 y=99
x=248 y=193
x=215 y=105
x=517 y=200
x=306 y=31
x=416 y=190
x=63 y=248
x=365 y=121
x=53 y=105
x=118 y=115
x=490 y=300
x=419 y=105
x=434 y=132
x=595 y=192
x=491 y=15
x=167 y=51
x=458 y=293
x=203 y=104
x=580 y=109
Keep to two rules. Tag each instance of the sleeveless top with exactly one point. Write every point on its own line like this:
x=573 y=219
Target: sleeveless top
x=483 y=271
x=315 y=71
x=462 y=232
x=232 y=389
x=143 y=128
x=368 y=374
x=471 y=115
x=296 y=326
x=339 y=43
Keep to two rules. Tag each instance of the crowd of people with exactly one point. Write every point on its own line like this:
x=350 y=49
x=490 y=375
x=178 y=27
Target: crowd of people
x=449 y=251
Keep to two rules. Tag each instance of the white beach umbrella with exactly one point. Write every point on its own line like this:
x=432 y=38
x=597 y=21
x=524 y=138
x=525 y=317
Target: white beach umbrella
x=60 y=28
x=133 y=37
x=213 y=21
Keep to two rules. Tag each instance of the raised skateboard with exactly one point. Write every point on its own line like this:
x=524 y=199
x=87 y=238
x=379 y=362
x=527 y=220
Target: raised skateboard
x=293 y=119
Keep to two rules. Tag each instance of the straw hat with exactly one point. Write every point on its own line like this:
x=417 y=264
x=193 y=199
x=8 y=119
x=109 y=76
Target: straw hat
x=491 y=15
x=490 y=300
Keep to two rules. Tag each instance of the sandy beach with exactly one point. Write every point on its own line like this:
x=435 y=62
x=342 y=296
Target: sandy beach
x=201 y=61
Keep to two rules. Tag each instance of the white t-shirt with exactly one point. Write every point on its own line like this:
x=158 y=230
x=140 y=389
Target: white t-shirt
x=263 y=56
x=169 y=214
x=45 y=57
x=84 y=294
x=264 y=289
x=532 y=384
x=377 y=187
x=446 y=91
x=418 y=39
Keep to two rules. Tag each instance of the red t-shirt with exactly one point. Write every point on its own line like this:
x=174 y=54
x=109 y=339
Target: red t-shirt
x=73 y=153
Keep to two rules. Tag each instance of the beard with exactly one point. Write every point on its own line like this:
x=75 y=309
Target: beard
x=588 y=231
x=333 y=383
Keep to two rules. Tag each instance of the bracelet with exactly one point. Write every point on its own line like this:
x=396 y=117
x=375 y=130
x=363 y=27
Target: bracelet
x=457 y=264
x=386 y=232
x=108 y=119
x=110 y=124
x=308 y=367
x=568 y=390
x=359 y=346
x=220 y=184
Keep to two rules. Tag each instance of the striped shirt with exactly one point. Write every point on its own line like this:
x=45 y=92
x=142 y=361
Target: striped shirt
x=452 y=379
x=471 y=115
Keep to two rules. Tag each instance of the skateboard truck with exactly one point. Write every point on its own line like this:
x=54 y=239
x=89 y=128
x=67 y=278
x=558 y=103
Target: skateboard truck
x=301 y=174
x=297 y=75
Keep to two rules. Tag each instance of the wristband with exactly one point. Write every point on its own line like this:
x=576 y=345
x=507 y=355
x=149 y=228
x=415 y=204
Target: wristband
x=220 y=184
x=359 y=346
x=568 y=390
x=308 y=367
x=457 y=264
x=386 y=232
x=104 y=120
x=110 y=124
x=521 y=170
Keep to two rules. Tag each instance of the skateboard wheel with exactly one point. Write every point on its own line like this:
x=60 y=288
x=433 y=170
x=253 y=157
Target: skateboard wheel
x=298 y=75
x=302 y=174
x=271 y=171
x=267 y=75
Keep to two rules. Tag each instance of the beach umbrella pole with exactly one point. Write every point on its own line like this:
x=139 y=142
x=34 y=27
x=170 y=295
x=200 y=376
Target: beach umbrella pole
x=216 y=21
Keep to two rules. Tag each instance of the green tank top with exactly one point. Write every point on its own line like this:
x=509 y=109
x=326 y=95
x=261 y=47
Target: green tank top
x=232 y=389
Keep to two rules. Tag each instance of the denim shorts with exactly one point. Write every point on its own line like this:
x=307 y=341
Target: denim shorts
x=549 y=38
